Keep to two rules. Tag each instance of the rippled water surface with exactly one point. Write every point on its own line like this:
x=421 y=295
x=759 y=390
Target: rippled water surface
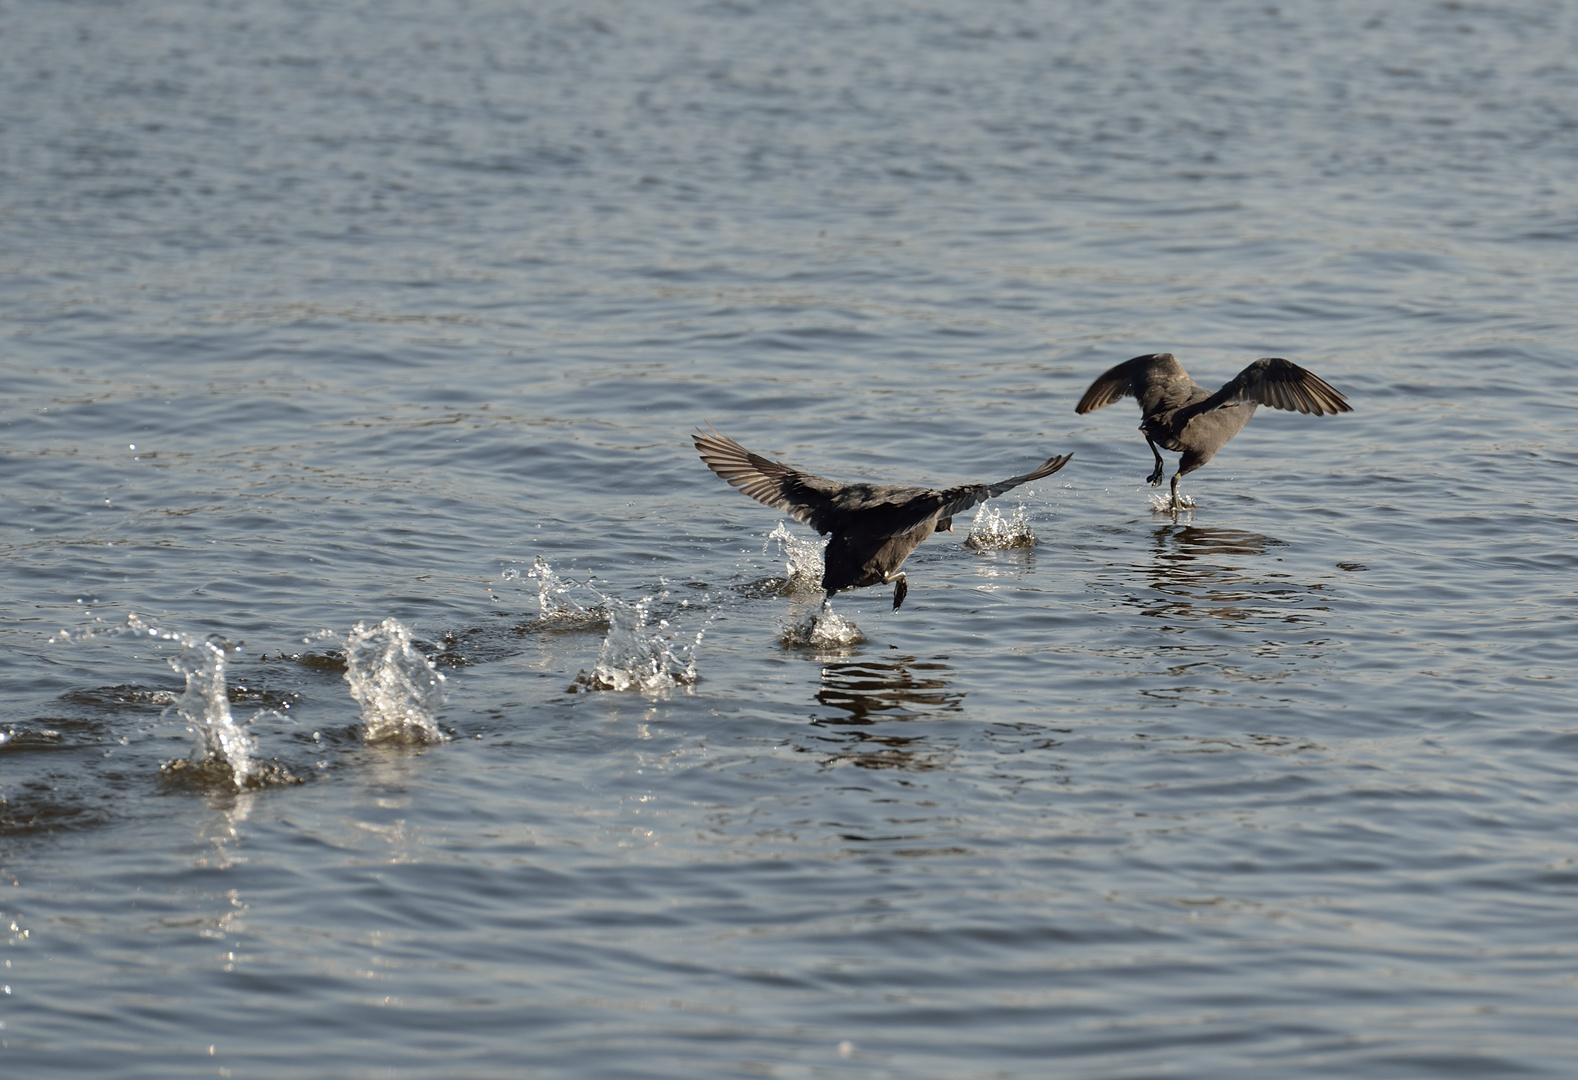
x=390 y=691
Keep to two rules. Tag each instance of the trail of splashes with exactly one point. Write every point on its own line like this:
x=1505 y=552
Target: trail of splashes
x=399 y=689
x=637 y=657
x=991 y=531
x=802 y=559
x=222 y=748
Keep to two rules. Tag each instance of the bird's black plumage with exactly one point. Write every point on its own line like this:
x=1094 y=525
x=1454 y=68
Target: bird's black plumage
x=1183 y=416
x=873 y=527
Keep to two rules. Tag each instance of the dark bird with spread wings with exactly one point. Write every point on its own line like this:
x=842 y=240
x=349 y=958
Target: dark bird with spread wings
x=874 y=527
x=1185 y=417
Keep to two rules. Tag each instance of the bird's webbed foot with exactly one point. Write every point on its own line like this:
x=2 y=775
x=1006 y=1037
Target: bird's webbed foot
x=901 y=589
x=1155 y=478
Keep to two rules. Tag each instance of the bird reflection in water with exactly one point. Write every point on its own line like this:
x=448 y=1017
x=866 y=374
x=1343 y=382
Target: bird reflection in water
x=1204 y=581
x=1201 y=574
x=1207 y=580
x=866 y=695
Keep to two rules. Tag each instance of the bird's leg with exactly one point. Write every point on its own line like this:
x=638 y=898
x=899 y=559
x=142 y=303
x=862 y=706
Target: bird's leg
x=901 y=589
x=1177 y=506
x=1155 y=479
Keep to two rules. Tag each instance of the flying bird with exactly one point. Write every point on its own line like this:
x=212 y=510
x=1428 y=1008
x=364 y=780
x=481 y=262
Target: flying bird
x=874 y=527
x=1185 y=417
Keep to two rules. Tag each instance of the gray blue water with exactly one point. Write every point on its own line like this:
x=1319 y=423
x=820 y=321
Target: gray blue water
x=350 y=354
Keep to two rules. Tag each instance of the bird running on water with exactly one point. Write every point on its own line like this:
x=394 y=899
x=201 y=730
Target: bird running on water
x=874 y=527
x=1185 y=417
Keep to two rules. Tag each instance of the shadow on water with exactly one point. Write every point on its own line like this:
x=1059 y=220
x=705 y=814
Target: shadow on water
x=864 y=696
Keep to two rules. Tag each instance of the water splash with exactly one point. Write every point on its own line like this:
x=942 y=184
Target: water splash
x=635 y=656
x=223 y=752
x=991 y=531
x=817 y=626
x=1163 y=504
x=824 y=629
x=205 y=705
x=557 y=606
x=399 y=689
x=802 y=558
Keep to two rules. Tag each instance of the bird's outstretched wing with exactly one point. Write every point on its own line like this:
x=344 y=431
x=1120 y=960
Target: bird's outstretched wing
x=807 y=498
x=1129 y=379
x=1281 y=384
x=957 y=499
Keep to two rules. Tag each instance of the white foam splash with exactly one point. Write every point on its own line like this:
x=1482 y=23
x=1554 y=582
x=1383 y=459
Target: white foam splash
x=635 y=656
x=991 y=531
x=802 y=558
x=555 y=604
x=399 y=689
x=205 y=703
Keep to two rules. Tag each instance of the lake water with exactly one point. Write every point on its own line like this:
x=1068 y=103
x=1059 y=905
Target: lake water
x=350 y=356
